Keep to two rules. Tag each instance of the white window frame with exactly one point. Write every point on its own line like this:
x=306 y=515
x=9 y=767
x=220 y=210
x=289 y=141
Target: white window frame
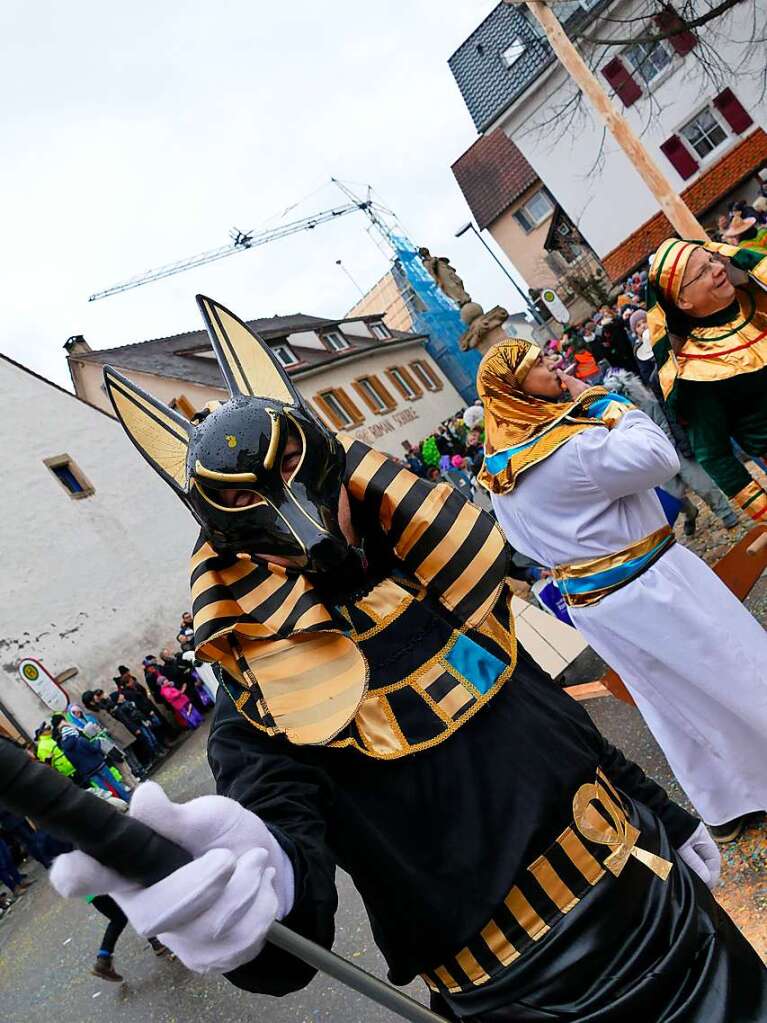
x=423 y=371
x=512 y=53
x=339 y=411
x=526 y=219
x=716 y=152
x=284 y=348
x=376 y=399
x=638 y=71
x=384 y=334
x=336 y=341
x=405 y=385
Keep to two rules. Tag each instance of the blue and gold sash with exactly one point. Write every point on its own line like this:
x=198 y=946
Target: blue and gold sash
x=586 y=582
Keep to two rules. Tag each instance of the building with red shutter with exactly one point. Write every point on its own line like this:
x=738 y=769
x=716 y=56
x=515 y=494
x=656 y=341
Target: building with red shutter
x=707 y=135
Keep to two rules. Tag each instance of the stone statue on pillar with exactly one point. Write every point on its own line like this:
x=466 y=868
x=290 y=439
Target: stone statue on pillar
x=480 y=325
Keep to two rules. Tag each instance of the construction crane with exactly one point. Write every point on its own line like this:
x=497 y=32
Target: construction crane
x=244 y=240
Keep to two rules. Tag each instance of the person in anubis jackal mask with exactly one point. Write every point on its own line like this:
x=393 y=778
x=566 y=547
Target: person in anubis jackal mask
x=376 y=713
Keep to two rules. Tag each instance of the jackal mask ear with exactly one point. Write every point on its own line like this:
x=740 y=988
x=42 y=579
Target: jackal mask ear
x=246 y=360
x=160 y=434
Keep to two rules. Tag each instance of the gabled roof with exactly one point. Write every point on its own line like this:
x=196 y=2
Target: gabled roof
x=189 y=356
x=492 y=173
x=740 y=163
x=487 y=85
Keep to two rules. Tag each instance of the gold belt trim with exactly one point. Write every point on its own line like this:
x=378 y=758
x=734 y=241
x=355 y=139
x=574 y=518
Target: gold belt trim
x=576 y=571
x=598 y=818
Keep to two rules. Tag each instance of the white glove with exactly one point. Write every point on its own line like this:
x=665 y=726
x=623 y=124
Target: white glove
x=214 y=912
x=701 y=854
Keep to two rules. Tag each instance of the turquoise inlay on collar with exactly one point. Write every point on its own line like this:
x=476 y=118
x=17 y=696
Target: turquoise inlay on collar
x=478 y=666
x=611 y=576
x=598 y=407
x=497 y=462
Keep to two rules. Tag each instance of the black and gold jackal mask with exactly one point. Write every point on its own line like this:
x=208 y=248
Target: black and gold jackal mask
x=226 y=465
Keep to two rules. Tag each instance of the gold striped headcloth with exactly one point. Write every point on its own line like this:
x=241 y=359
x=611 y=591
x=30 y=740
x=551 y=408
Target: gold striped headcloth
x=668 y=267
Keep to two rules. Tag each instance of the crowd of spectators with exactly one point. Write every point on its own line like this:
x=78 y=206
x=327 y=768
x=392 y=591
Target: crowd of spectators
x=109 y=741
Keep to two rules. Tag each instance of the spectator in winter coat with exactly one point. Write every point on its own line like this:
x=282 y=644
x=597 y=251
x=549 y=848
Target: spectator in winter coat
x=88 y=760
x=49 y=752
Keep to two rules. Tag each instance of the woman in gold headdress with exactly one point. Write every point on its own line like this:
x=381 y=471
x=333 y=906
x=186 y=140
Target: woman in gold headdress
x=572 y=486
x=707 y=314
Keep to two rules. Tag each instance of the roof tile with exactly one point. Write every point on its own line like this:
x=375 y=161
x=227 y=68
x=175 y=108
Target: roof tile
x=492 y=174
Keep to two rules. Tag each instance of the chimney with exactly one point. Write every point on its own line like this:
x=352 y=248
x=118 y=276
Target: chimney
x=77 y=345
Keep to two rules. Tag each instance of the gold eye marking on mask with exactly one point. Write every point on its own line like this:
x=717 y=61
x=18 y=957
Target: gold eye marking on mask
x=224 y=477
x=225 y=508
x=297 y=427
x=231 y=440
x=274 y=440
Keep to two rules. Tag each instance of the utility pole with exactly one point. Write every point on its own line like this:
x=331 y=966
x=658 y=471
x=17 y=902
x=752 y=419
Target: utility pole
x=680 y=216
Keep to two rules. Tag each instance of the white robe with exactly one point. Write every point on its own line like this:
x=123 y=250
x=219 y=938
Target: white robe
x=693 y=658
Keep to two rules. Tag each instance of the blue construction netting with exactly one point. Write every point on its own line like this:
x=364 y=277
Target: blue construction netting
x=439 y=319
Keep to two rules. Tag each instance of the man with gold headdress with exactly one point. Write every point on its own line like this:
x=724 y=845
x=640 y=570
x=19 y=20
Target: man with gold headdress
x=572 y=484
x=707 y=314
x=376 y=713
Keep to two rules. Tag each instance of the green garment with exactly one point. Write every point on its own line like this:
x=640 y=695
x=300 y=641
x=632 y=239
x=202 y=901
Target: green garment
x=430 y=451
x=48 y=751
x=719 y=410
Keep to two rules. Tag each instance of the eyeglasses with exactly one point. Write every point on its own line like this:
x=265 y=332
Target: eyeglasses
x=708 y=267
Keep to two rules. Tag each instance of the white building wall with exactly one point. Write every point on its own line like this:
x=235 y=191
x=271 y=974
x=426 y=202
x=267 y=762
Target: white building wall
x=89 y=583
x=610 y=201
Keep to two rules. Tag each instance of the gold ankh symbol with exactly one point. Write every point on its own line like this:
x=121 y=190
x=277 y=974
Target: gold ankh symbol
x=621 y=836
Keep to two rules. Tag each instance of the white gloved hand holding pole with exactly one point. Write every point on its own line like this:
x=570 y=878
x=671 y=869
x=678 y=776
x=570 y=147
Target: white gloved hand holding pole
x=214 y=913
x=701 y=854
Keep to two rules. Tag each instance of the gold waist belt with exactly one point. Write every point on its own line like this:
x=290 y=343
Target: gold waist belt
x=550 y=887
x=587 y=582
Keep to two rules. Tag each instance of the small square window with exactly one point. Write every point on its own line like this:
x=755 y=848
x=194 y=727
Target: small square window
x=380 y=330
x=649 y=59
x=512 y=53
x=70 y=476
x=532 y=213
x=336 y=341
x=704 y=133
x=285 y=355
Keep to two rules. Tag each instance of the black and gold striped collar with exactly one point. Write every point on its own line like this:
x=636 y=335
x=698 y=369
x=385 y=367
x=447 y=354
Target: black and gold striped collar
x=246 y=610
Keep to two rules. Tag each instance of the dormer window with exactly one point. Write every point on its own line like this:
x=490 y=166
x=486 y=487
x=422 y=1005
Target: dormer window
x=285 y=355
x=336 y=342
x=512 y=53
x=380 y=330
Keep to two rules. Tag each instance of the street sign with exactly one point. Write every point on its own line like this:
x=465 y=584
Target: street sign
x=43 y=684
x=555 y=305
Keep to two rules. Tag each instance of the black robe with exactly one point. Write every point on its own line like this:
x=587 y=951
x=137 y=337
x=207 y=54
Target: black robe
x=434 y=840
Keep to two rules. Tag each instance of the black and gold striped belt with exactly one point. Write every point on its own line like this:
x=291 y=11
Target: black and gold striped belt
x=550 y=887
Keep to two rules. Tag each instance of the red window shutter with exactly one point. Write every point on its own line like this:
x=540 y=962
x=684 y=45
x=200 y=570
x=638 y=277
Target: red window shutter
x=733 y=112
x=683 y=41
x=619 y=77
x=679 y=155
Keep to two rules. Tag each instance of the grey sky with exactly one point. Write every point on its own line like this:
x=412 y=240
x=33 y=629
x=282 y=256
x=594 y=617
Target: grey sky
x=135 y=134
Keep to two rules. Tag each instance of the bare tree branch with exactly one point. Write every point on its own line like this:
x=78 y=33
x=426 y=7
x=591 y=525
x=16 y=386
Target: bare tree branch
x=682 y=26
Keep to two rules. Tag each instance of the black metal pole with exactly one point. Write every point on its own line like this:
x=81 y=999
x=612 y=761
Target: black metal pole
x=134 y=850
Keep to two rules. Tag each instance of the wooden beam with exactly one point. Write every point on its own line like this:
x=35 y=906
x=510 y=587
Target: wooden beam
x=680 y=216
